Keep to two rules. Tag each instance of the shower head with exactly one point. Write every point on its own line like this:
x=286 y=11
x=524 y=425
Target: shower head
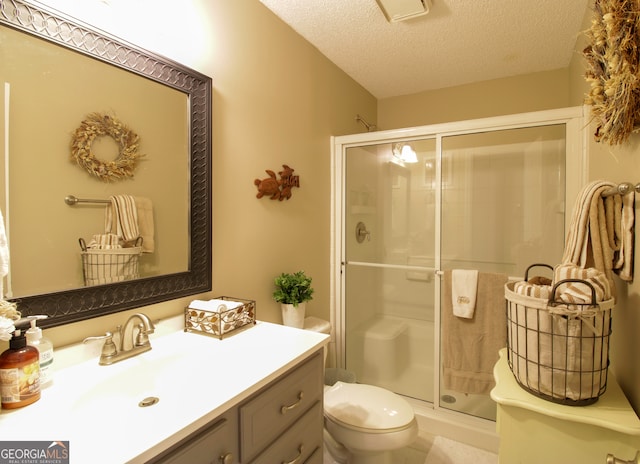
x=370 y=127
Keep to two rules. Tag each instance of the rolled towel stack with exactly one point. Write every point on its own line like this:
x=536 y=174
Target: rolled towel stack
x=104 y=242
x=577 y=292
x=214 y=305
x=570 y=292
x=536 y=287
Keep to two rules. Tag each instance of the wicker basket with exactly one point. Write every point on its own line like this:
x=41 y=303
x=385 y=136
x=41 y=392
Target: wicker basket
x=558 y=351
x=220 y=323
x=109 y=266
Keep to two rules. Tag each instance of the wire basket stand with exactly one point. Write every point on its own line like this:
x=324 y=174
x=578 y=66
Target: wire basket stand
x=558 y=351
x=105 y=266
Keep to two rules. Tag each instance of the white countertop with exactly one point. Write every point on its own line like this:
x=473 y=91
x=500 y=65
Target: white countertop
x=95 y=407
x=611 y=411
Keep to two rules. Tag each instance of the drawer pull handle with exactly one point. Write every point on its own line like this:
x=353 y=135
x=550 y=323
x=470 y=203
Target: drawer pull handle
x=284 y=409
x=226 y=458
x=297 y=458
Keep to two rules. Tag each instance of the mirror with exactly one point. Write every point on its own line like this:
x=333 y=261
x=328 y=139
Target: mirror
x=181 y=200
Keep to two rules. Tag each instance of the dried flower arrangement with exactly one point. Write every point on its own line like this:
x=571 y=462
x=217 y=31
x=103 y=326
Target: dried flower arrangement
x=613 y=69
x=96 y=125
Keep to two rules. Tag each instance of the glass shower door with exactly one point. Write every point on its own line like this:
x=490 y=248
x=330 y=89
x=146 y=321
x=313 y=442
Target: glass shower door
x=502 y=209
x=389 y=266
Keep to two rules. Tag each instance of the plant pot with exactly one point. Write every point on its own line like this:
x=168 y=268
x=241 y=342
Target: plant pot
x=293 y=316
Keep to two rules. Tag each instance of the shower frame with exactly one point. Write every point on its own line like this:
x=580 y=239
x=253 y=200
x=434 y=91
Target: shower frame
x=576 y=173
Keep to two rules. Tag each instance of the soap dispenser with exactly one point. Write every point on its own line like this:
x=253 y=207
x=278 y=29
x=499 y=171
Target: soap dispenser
x=45 y=350
x=19 y=373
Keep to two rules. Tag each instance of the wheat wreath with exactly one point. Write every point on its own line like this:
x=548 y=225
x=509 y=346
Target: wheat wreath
x=98 y=125
x=613 y=69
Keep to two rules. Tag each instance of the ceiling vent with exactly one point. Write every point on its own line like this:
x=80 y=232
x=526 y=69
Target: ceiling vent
x=400 y=10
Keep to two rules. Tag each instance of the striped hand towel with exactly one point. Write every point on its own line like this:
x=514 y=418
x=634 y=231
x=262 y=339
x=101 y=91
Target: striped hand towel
x=591 y=238
x=121 y=217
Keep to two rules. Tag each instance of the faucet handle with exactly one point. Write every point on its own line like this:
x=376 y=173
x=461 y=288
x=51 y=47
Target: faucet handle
x=108 y=349
x=142 y=339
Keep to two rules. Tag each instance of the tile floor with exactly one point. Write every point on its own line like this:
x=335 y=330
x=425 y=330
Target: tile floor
x=418 y=451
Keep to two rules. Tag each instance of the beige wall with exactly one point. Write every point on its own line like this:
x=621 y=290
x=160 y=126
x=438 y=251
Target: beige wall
x=520 y=94
x=276 y=101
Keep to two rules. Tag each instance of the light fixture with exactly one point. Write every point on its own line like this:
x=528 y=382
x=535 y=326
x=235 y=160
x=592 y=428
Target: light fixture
x=400 y=10
x=404 y=152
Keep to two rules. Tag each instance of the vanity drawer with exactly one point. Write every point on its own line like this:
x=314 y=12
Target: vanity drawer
x=214 y=442
x=302 y=443
x=268 y=414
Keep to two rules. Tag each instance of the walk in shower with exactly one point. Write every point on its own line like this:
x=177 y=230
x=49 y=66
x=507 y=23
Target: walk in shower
x=410 y=204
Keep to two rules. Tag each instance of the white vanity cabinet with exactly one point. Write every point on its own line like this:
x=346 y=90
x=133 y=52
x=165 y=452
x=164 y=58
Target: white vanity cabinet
x=281 y=423
x=252 y=397
x=215 y=443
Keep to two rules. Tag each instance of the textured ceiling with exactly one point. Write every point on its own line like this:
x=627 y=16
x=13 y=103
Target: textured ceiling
x=458 y=42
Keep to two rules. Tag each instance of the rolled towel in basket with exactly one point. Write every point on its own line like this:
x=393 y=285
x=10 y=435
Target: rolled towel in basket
x=534 y=290
x=214 y=305
x=577 y=292
x=104 y=242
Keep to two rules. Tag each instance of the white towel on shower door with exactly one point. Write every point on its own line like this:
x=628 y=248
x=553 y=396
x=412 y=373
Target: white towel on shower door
x=464 y=288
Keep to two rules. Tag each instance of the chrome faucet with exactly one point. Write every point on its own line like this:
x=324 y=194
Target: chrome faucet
x=138 y=341
x=141 y=339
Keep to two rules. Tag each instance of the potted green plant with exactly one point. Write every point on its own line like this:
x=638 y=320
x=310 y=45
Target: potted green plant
x=292 y=292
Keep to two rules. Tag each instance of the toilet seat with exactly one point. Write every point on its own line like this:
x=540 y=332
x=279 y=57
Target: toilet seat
x=367 y=408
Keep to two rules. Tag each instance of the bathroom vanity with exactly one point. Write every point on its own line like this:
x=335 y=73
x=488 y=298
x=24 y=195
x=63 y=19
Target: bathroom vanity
x=533 y=430
x=253 y=397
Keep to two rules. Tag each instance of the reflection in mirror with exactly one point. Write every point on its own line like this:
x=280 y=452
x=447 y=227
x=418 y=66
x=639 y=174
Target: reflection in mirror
x=55 y=72
x=45 y=95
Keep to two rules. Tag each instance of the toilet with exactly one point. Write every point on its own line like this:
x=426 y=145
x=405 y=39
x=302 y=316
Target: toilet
x=364 y=423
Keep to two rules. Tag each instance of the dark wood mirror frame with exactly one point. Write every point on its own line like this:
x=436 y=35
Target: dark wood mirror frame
x=88 y=302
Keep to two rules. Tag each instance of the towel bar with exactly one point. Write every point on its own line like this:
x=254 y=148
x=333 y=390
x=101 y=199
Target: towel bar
x=622 y=189
x=72 y=200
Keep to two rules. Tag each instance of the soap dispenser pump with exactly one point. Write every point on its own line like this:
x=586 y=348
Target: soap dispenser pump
x=19 y=373
x=45 y=350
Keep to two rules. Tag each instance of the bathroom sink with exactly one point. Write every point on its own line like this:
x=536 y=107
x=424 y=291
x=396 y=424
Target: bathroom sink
x=158 y=379
x=123 y=386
